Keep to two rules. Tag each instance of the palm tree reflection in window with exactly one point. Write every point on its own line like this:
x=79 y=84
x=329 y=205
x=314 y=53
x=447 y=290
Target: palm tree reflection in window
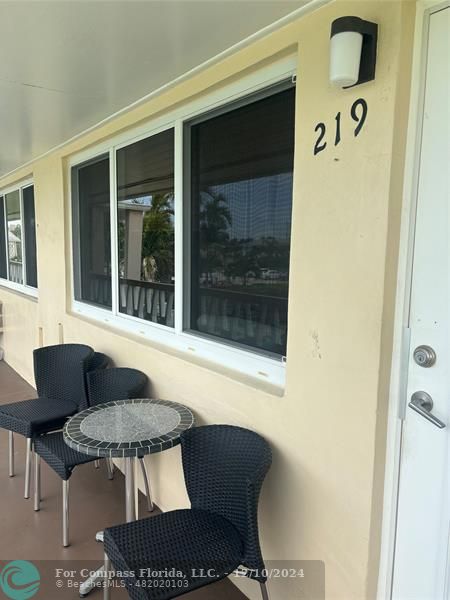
x=158 y=240
x=256 y=264
x=146 y=257
x=215 y=219
x=156 y=260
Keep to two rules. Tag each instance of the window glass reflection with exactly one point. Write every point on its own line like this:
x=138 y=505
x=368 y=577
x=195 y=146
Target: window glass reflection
x=14 y=228
x=146 y=245
x=29 y=222
x=241 y=204
x=3 y=269
x=93 y=238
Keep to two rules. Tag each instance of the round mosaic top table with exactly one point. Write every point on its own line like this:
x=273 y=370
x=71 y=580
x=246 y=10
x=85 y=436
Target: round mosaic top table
x=128 y=428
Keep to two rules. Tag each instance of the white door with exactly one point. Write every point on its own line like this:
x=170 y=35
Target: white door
x=421 y=563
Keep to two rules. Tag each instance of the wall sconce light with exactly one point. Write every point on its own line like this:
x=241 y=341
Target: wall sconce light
x=353 y=51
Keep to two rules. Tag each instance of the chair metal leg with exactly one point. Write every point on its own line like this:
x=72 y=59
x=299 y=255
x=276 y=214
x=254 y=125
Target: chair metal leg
x=37 y=482
x=106 y=588
x=65 y=490
x=110 y=467
x=264 y=591
x=11 y=453
x=96 y=464
x=150 y=505
x=28 y=468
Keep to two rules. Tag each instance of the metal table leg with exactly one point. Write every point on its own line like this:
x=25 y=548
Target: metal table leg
x=130 y=492
x=148 y=493
x=130 y=514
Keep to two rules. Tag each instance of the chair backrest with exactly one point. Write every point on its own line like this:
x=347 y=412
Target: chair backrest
x=98 y=361
x=118 y=383
x=59 y=372
x=224 y=469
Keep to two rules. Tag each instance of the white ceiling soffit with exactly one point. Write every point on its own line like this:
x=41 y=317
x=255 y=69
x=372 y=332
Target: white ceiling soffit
x=67 y=65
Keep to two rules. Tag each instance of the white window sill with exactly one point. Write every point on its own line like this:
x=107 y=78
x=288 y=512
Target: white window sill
x=25 y=290
x=269 y=372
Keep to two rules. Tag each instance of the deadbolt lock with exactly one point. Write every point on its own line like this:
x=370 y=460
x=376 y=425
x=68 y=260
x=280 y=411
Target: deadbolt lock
x=424 y=356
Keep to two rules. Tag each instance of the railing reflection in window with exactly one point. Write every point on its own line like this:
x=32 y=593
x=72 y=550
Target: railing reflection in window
x=15 y=271
x=146 y=300
x=97 y=289
x=245 y=318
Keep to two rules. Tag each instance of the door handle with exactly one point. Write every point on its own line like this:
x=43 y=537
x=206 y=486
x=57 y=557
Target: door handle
x=422 y=403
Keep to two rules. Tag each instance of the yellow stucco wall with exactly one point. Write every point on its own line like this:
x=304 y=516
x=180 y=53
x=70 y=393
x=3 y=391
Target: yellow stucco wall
x=322 y=498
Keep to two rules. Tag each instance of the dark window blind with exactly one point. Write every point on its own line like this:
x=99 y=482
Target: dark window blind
x=29 y=221
x=3 y=271
x=241 y=169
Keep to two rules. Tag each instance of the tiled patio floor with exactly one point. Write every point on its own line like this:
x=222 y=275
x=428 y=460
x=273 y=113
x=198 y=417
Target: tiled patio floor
x=95 y=502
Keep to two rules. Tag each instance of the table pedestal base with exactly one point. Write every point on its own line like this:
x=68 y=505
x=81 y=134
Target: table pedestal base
x=130 y=514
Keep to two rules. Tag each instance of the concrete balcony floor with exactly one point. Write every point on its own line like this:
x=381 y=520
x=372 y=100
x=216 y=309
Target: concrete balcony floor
x=95 y=503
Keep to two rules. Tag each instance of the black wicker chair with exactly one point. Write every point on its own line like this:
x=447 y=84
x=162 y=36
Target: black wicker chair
x=59 y=373
x=98 y=362
x=102 y=386
x=224 y=468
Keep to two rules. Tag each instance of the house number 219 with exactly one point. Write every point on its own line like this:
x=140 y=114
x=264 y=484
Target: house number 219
x=358 y=113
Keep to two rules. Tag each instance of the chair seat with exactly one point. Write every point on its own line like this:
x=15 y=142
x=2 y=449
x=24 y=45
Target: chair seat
x=57 y=454
x=36 y=416
x=186 y=548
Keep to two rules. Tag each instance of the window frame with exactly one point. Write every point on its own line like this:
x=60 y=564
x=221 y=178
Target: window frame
x=6 y=283
x=253 y=363
x=188 y=124
x=75 y=222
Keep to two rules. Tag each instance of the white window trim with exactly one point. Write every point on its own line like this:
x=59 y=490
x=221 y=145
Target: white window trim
x=6 y=283
x=241 y=360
